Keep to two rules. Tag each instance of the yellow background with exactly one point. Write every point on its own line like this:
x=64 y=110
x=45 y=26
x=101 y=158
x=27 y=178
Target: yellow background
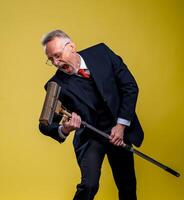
x=148 y=34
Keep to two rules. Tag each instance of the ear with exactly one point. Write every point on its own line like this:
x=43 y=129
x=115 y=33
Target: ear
x=73 y=47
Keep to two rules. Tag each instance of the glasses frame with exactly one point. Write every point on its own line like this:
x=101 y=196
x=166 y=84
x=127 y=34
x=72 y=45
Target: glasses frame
x=50 y=63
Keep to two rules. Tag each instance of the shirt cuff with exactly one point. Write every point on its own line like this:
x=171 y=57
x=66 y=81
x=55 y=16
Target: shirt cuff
x=61 y=134
x=123 y=121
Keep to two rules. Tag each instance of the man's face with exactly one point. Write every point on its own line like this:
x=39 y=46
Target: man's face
x=62 y=53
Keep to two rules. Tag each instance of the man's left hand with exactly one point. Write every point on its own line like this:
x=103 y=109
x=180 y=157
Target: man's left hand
x=117 y=134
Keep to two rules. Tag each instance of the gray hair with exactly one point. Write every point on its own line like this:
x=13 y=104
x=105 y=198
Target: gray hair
x=51 y=35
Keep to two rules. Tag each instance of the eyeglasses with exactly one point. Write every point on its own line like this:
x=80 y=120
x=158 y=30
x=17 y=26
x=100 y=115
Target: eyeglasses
x=56 y=56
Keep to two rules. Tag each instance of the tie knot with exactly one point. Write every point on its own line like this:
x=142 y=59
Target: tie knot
x=83 y=73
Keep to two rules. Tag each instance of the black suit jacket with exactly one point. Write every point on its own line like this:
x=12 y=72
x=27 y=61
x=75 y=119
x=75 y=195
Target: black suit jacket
x=117 y=87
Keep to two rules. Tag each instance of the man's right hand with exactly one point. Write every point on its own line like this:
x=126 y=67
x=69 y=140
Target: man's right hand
x=72 y=124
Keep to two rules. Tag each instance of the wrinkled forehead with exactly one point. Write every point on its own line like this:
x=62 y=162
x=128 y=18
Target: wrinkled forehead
x=54 y=46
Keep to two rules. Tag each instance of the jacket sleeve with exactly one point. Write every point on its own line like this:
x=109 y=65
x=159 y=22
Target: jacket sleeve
x=126 y=84
x=52 y=129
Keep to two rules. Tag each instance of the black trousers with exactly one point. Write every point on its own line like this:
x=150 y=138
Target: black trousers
x=122 y=165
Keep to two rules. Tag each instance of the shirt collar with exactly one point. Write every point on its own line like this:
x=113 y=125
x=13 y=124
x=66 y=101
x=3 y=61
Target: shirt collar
x=82 y=63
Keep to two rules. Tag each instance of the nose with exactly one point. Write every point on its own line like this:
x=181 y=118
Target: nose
x=58 y=63
x=55 y=62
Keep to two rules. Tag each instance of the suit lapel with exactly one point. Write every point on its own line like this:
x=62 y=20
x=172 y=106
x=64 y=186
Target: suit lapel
x=95 y=68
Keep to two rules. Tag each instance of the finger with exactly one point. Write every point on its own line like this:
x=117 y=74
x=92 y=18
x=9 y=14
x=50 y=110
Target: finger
x=73 y=117
x=110 y=138
x=117 y=142
x=122 y=144
x=112 y=133
x=115 y=139
x=76 y=120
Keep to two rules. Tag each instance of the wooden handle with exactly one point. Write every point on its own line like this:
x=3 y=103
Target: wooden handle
x=65 y=112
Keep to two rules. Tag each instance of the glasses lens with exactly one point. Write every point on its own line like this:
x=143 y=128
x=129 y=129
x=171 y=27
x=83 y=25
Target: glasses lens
x=49 y=62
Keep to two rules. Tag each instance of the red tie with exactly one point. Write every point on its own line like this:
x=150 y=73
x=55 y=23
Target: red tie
x=83 y=73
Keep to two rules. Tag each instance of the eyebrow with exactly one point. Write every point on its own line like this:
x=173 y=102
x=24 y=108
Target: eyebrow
x=54 y=55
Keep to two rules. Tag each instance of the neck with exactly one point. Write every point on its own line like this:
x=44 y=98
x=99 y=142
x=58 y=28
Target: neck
x=78 y=61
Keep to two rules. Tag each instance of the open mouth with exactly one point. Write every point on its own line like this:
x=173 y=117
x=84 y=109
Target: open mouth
x=65 y=66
